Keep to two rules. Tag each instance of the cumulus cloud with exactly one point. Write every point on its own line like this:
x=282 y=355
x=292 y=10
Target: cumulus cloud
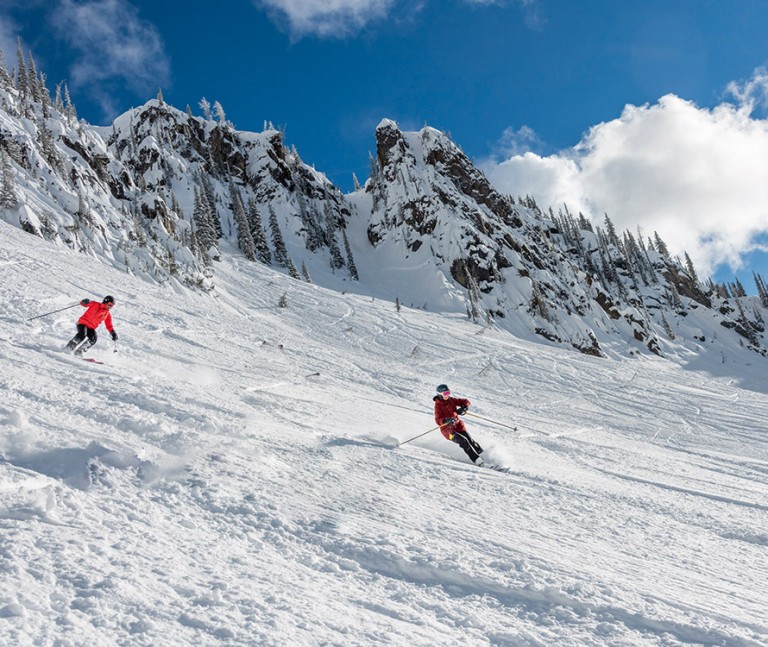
x=344 y=18
x=694 y=175
x=113 y=45
x=327 y=18
x=532 y=13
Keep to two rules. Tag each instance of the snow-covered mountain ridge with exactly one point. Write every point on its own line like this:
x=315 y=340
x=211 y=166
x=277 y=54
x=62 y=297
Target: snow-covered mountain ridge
x=160 y=192
x=229 y=478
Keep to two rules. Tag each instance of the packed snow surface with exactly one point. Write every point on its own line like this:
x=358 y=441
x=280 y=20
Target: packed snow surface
x=231 y=475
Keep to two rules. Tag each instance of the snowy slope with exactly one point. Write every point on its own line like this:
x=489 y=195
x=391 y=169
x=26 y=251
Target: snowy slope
x=229 y=477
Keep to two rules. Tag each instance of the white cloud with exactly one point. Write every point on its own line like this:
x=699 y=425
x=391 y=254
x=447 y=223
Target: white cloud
x=113 y=45
x=532 y=13
x=327 y=18
x=695 y=175
x=344 y=18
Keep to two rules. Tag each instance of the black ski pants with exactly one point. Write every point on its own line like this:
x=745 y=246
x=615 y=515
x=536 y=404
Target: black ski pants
x=83 y=331
x=470 y=447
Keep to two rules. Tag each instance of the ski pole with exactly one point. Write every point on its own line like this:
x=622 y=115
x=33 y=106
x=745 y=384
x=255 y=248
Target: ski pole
x=492 y=421
x=419 y=436
x=53 y=312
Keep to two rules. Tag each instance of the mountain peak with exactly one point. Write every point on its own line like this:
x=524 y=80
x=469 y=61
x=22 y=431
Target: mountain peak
x=161 y=193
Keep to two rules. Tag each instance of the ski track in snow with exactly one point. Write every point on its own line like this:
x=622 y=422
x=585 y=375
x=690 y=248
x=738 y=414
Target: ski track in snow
x=229 y=476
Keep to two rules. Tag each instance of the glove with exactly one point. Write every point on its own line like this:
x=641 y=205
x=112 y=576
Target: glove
x=461 y=410
x=449 y=421
x=114 y=335
x=85 y=302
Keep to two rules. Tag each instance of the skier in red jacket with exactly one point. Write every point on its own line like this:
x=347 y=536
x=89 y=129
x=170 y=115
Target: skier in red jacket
x=94 y=315
x=447 y=410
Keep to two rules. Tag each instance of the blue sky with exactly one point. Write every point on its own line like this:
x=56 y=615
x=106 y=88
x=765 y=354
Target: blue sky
x=652 y=111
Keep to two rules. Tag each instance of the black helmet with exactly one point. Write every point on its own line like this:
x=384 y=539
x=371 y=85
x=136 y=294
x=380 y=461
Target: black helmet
x=442 y=388
x=108 y=299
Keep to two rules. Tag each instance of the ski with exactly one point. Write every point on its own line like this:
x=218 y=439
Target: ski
x=91 y=360
x=495 y=468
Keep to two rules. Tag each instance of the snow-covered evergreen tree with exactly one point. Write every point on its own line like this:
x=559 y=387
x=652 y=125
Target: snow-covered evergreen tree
x=69 y=107
x=350 y=261
x=33 y=83
x=762 y=288
x=45 y=97
x=244 y=238
x=8 y=197
x=208 y=194
x=205 y=232
x=691 y=269
x=259 y=236
x=205 y=106
x=337 y=261
x=661 y=246
x=22 y=80
x=281 y=254
x=5 y=78
x=292 y=271
x=305 y=272
x=218 y=110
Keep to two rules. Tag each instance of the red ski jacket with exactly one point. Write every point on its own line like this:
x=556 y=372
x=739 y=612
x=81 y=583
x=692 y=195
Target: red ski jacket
x=94 y=314
x=447 y=409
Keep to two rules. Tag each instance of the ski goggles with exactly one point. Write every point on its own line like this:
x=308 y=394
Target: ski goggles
x=445 y=393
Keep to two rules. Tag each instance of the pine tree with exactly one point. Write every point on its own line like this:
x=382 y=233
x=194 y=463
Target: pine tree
x=45 y=97
x=474 y=294
x=205 y=107
x=691 y=269
x=258 y=234
x=584 y=223
x=673 y=297
x=762 y=289
x=737 y=288
x=218 y=110
x=292 y=271
x=613 y=238
x=350 y=261
x=33 y=82
x=315 y=236
x=373 y=169
x=22 y=80
x=58 y=102
x=305 y=272
x=8 y=197
x=667 y=327
x=69 y=107
x=205 y=234
x=208 y=194
x=281 y=254
x=538 y=305
x=47 y=145
x=661 y=246
x=244 y=238
x=5 y=79
x=337 y=261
